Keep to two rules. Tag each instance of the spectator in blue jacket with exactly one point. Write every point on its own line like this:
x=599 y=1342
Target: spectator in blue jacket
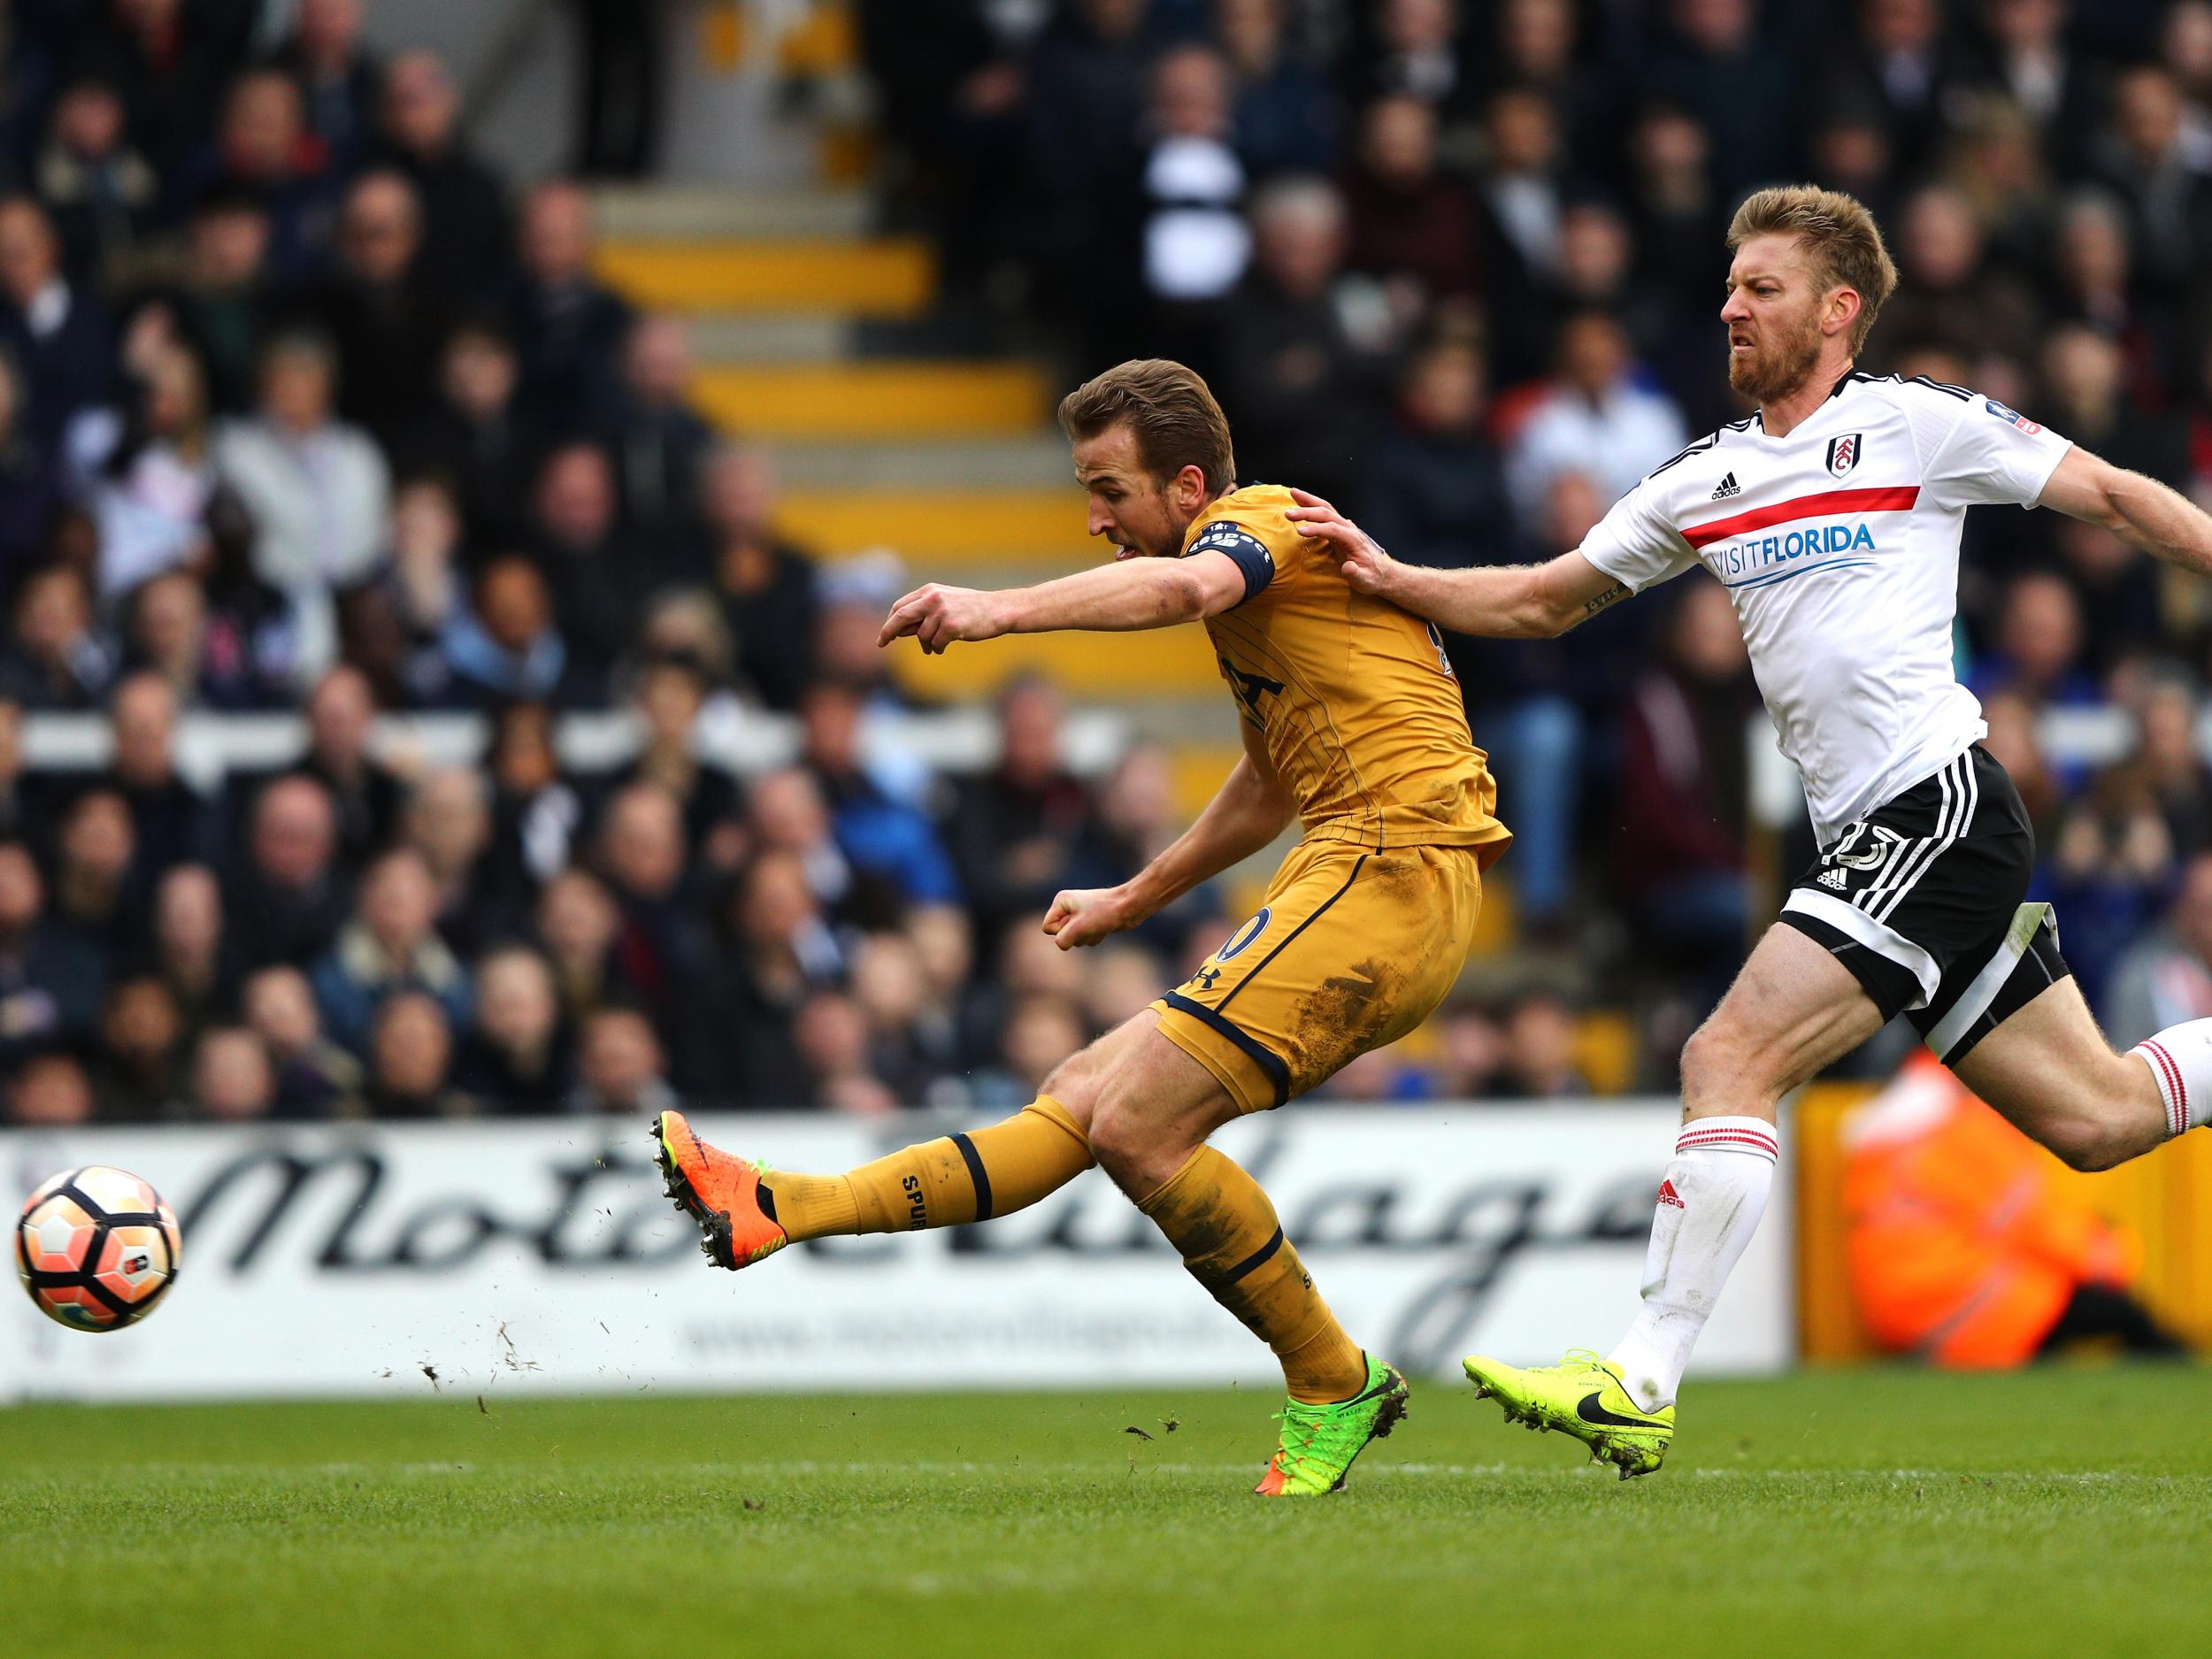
x=390 y=944
x=881 y=831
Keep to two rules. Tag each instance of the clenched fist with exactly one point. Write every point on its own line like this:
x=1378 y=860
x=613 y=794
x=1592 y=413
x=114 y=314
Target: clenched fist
x=1083 y=915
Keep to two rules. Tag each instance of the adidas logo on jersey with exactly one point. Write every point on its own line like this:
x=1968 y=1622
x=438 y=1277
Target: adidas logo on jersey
x=1835 y=879
x=1728 y=486
x=1668 y=1195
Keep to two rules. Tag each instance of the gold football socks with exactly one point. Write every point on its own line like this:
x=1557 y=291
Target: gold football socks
x=943 y=1183
x=1218 y=1218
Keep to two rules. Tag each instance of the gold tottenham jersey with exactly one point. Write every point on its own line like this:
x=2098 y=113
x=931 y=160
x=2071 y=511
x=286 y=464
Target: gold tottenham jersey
x=1356 y=700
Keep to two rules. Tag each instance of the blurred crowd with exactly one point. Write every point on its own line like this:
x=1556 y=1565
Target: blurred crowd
x=303 y=405
x=1457 y=266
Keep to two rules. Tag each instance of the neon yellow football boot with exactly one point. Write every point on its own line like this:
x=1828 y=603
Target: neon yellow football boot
x=1320 y=1441
x=1583 y=1395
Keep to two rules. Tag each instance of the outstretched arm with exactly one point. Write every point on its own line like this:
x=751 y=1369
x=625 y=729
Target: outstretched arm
x=2140 y=510
x=1511 y=602
x=1135 y=593
x=1249 y=811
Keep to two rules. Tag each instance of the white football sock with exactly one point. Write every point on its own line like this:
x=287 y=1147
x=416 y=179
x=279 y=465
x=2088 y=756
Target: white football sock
x=2180 y=1057
x=1710 y=1205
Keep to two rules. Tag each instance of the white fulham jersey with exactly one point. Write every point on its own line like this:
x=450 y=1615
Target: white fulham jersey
x=1840 y=545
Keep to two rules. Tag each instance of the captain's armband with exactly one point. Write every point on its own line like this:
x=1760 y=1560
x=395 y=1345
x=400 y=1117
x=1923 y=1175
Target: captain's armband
x=1246 y=552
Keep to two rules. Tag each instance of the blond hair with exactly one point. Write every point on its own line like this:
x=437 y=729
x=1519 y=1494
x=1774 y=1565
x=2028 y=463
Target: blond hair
x=1169 y=411
x=1839 y=236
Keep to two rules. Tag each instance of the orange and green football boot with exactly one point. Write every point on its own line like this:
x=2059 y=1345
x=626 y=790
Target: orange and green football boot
x=719 y=1191
x=1583 y=1395
x=1320 y=1441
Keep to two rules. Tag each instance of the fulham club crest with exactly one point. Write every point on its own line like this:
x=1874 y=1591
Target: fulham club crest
x=1843 y=453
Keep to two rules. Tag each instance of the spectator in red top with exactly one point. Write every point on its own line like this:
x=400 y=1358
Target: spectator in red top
x=1678 y=853
x=1409 y=223
x=644 y=859
x=263 y=146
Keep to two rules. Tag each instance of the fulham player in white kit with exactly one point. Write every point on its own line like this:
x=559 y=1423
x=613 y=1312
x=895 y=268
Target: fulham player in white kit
x=1832 y=517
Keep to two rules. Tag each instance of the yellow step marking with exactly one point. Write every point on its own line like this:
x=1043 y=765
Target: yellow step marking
x=885 y=276
x=956 y=527
x=873 y=400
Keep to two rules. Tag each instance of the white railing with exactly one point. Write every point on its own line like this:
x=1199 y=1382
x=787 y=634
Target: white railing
x=211 y=745
x=2069 y=737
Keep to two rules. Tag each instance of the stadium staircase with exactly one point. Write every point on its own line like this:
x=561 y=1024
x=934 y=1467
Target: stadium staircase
x=812 y=325
x=814 y=333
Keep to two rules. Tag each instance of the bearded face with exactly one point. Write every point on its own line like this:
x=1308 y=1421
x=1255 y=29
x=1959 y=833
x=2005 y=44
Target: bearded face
x=1776 y=301
x=1782 y=353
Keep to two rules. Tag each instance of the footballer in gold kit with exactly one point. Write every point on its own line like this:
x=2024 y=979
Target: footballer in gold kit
x=1353 y=726
x=1366 y=925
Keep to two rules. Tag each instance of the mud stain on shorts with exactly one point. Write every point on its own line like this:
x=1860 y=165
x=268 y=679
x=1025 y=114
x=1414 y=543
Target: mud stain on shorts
x=1347 y=1015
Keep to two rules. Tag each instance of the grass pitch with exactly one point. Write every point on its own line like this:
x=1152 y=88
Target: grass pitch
x=2061 y=1512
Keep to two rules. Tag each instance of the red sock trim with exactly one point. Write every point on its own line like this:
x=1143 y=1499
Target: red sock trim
x=1730 y=1138
x=2173 y=1089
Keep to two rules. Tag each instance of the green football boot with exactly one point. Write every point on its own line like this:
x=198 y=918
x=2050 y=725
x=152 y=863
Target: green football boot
x=1583 y=1395
x=1320 y=1441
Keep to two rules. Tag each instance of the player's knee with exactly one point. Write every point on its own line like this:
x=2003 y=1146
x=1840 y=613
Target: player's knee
x=2085 y=1141
x=1119 y=1136
x=1712 y=1059
x=1726 y=1070
x=1130 y=1144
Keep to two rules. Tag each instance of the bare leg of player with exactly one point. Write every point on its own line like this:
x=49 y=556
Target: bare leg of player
x=1792 y=1011
x=2050 y=1069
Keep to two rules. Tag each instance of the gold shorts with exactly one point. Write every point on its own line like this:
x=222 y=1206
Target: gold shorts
x=1351 y=950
